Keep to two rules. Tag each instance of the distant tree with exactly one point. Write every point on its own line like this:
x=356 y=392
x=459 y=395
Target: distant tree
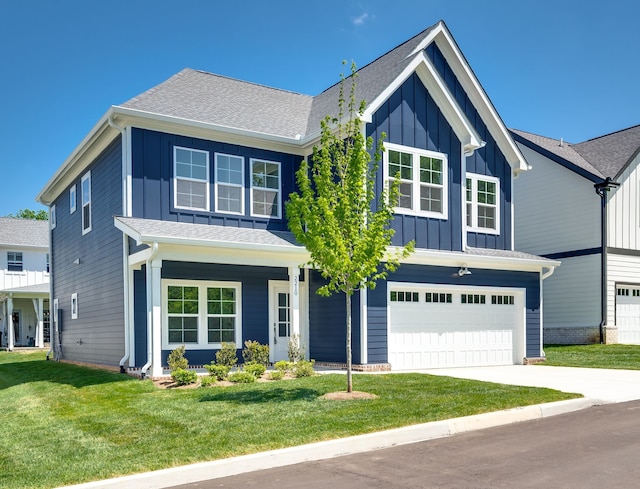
x=41 y=215
x=333 y=216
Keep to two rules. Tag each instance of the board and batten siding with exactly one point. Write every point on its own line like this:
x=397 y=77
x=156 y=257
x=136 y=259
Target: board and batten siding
x=34 y=266
x=152 y=180
x=623 y=210
x=556 y=210
x=97 y=335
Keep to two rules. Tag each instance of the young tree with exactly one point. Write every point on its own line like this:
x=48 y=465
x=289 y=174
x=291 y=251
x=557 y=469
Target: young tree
x=40 y=215
x=333 y=212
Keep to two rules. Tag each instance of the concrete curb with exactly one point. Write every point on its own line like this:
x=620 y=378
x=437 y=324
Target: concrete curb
x=335 y=448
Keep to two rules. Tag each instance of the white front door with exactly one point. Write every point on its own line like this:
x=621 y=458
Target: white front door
x=280 y=321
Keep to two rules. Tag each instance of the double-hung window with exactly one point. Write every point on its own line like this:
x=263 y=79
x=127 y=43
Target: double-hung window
x=483 y=210
x=191 y=178
x=229 y=172
x=85 y=187
x=14 y=261
x=265 y=188
x=200 y=314
x=72 y=199
x=423 y=180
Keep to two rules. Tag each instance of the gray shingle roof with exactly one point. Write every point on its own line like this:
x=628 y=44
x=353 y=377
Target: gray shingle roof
x=214 y=99
x=604 y=156
x=29 y=289
x=24 y=232
x=508 y=254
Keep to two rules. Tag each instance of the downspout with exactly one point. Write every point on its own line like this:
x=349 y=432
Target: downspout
x=543 y=276
x=145 y=367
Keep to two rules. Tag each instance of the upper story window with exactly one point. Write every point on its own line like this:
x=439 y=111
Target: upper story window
x=229 y=171
x=191 y=173
x=52 y=216
x=14 y=261
x=423 y=180
x=72 y=199
x=48 y=265
x=483 y=210
x=85 y=187
x=265 y=188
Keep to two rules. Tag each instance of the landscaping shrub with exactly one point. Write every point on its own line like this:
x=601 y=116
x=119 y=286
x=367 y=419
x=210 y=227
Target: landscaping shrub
x=295 y=351
x=256 y=369
x=227 y=355
x=241 y=377
x=219 y=372
x=304 y=368
x=255 y=352
x=207 y=381
x=184 y=377
x=283 y=366
x=276 y=375
x=177 y=359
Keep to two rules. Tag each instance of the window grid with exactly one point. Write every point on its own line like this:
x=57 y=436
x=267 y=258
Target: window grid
x=482 y=203
x=229 y=171
x=623 y=292
x=473 y=299
x=191 y=174
x=265 y=188
x=14 y=261
x=439 y=297
x=404 y=296
x=508 y=300
x=183 y=311
x=221 y=314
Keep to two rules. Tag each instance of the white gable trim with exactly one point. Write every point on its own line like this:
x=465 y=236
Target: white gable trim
x=425 y=70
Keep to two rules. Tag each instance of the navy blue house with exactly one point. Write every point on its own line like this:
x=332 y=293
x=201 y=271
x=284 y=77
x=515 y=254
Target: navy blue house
x=168 y=224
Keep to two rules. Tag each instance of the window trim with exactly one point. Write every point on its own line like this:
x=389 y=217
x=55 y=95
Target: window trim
x=72 y=199
x=252 y=187
x=15 y=262
x=85 y=228
x=474 y=177
x=52 y=216
x=417 y=153
x=74 y=305
x=207 y=181
x=217 y=184
x=202 y=285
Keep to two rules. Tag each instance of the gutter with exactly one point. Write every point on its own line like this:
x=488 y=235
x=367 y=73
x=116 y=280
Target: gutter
x=145 y=367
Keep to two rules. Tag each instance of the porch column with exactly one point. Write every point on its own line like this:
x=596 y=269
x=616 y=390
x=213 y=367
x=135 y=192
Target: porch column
x=4 y=324
x=39 y=336
x=10 y=337
x=294 y=301
x=156 y=315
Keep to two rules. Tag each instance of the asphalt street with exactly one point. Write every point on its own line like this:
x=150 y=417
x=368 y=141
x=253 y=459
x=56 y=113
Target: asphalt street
x=597 y=447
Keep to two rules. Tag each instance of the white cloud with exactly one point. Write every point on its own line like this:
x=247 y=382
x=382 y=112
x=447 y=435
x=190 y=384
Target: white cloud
x=360 y=19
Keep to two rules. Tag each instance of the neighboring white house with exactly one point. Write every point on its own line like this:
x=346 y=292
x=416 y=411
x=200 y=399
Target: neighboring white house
x=595 y=295
x=24 y=282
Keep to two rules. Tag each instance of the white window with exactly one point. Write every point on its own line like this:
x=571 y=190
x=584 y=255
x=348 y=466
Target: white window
x=229 y=171
x=86 y=202
x=265 y=188
x=72 y=199
x=14 y=261
x=52 y=216
x=483 y=210
x=201 y=315
x=191 y=178
x=48 y=266
x=423 y=180
x=74 y=306
x=55 y=311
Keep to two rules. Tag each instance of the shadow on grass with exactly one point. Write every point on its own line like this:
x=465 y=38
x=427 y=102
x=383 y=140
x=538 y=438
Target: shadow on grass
x=277 y=394
x=34 y=368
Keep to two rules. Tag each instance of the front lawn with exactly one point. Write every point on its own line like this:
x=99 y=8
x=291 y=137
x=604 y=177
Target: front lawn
x=594 y=356
x=64 y=424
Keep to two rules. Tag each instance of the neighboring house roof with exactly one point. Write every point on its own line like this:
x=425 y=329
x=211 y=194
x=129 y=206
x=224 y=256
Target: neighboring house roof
x=24 y=232
x=29 y=289
x=604 y=156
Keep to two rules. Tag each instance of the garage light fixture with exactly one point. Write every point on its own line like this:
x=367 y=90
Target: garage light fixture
x=463 y=271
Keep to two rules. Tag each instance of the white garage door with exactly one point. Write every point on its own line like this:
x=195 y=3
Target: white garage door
x=435 y=326
x=628 y=314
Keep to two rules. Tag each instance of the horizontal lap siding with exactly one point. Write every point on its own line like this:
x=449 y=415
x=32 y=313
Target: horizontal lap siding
x=97 y=335
x=152 y=173
x=410 y=117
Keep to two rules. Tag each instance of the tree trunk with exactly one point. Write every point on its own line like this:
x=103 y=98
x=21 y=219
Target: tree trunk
x=349 y=375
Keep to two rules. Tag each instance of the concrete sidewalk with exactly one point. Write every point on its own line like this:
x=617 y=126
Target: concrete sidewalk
x=599 y=386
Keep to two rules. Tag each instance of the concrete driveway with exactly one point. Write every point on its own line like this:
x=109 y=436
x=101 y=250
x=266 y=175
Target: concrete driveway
x=593 y=383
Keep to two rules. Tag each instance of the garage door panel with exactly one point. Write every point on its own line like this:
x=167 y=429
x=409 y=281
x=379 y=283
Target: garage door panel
x=628 y=314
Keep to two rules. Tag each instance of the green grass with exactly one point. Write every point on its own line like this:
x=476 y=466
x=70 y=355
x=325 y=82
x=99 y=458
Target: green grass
x=594 y=356
x=64 y=424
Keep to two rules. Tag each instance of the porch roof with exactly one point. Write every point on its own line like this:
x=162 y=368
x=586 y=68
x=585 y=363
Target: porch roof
x=36 y=290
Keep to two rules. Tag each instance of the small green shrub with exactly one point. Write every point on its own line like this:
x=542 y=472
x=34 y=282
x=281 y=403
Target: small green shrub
x=227 y=355
x=219 y=372
x=177 y=359
x=207 y=381
x=241 y=377
x=254 y=352
x=256 y=369
x=276 y=375
x=283 y=366
x=295 y=351
x=304 y=368
x=184 y=377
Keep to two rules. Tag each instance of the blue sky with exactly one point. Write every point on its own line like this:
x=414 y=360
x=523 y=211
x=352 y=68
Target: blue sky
x=560 y=68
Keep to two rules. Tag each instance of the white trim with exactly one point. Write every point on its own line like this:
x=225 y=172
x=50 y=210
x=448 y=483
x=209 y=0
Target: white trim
x=175 y=178
x=268 y=189
x=202 y=315
x=217 y=184
x=74 y=305
x=73 y=198
x=83 y=204
x=364 y=326
x=416 y=153
x=52 y=217
x=475 y=178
